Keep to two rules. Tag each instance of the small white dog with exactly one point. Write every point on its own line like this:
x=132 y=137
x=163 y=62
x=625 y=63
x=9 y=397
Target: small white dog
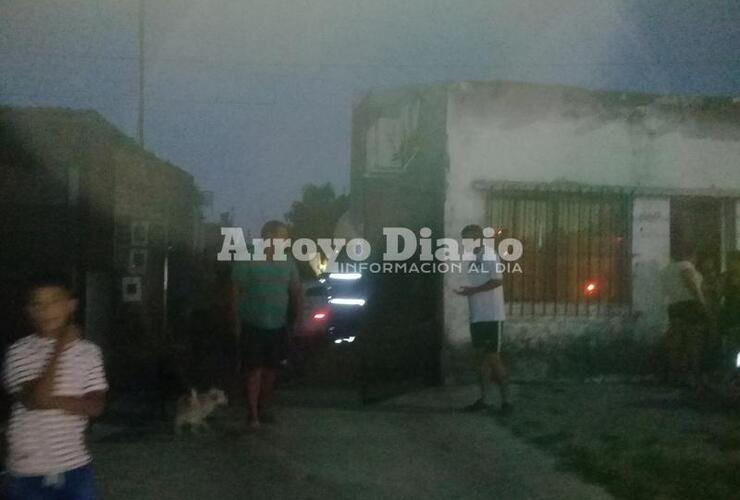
x=193 y=409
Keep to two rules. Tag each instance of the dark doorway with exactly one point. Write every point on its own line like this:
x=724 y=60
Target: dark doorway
x=696 y=223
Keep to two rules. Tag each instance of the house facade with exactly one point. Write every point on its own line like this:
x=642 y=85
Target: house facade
x=600 y=188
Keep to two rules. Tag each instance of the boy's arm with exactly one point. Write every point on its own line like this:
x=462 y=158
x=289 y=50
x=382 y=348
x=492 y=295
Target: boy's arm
x=37 y=394
x=91 y=404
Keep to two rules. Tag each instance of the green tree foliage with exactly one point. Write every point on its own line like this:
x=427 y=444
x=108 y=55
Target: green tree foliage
x=318 y=211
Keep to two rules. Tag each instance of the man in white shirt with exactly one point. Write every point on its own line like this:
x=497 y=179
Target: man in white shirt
x=485 y=295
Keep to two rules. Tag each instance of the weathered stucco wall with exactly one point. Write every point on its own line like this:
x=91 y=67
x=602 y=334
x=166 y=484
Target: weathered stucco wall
x=531 y=133
x=651 y=246
x=520 y=132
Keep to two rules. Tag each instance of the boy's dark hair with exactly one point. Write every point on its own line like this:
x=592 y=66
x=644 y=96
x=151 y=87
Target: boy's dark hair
x=269 y=228
x=472 y=230
x=45 y=279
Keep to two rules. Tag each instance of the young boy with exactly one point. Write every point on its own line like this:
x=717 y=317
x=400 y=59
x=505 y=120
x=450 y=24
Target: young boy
x=57 y=382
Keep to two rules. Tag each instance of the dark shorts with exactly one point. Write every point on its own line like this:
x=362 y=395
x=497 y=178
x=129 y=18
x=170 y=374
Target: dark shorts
x=486 y=335
x=263 y=347
x=689 y=312
x=76 y=484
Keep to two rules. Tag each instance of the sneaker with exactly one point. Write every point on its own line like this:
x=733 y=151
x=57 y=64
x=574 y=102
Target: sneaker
x=479 y=405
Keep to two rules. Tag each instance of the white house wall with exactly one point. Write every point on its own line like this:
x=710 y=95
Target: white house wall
x=520 y=132
x=651 y=246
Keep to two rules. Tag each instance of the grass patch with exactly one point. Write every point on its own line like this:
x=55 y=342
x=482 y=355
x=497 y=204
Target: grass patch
x=638 y=442
x=551 y=440
x=598 y=467
x=725 y=442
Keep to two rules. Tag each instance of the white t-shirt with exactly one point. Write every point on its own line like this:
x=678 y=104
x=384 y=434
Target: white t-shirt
x=488 y=305
x=43 y=442
x=674 y=286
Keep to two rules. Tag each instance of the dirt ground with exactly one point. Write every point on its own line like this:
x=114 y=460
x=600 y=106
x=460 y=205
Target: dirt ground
x=564 y=440
x=326 y=445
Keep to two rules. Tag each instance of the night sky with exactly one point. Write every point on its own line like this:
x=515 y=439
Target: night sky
x=254 y=97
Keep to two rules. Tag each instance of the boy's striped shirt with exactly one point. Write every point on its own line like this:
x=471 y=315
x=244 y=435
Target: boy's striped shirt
x=42 y=442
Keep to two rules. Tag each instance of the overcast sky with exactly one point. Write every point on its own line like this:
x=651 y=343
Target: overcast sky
x=253 y=97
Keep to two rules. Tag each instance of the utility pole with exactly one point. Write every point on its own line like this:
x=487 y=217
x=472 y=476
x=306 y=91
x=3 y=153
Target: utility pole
x=140 y=119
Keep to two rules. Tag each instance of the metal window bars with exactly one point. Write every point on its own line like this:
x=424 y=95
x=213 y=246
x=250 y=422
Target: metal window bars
x=576 y=251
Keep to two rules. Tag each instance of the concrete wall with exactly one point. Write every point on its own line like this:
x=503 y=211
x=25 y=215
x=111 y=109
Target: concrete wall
x=651 y=248
x=520 y=132
x=530 y=133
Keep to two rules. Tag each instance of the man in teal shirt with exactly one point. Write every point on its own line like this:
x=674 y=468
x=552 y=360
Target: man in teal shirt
x=270 y=297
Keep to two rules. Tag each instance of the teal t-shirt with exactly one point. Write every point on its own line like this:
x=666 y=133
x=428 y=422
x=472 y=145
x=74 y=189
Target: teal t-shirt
x=264 y=291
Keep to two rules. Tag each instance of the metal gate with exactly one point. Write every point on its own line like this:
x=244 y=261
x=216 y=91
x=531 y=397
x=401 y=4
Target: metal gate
x=400 y=345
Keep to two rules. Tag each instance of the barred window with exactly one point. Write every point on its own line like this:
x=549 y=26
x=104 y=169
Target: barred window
x=575 y=250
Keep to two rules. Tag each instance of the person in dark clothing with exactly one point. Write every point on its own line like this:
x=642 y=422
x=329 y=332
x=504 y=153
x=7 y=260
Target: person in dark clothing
x=729 y=316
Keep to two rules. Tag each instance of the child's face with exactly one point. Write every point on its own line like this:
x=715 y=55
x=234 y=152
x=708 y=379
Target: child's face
x=50 y=309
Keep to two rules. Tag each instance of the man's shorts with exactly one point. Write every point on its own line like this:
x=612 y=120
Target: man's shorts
x=688 y=312
x=263 y=347
x=486 y=335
